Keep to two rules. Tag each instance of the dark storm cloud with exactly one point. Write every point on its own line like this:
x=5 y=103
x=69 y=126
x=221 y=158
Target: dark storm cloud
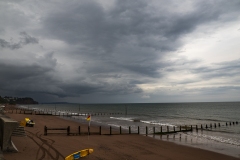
x=117 y=48
x=24 y=40
x=109 y=34
x=34 y=76
x=87 y=23
x=99 y=88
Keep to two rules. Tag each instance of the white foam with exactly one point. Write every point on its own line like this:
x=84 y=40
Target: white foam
x=158 y=123
x=122 y=118
x=218 y=139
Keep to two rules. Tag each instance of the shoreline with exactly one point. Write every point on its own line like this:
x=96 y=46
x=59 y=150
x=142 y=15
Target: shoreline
x=58 y=146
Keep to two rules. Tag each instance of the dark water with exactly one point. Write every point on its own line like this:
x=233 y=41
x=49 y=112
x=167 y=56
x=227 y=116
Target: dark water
x=224 y=139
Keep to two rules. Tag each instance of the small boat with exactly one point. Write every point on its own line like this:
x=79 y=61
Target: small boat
x=79 y=154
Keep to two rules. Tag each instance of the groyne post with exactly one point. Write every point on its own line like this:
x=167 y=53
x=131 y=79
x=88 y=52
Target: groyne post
x=154 y=129
x=138 y=130
x=68 y=130
x=110 y=130
x=120 y=129
x=79 y=130
x=100 y=130
x=45 y=130
x=129 y=129
x=146 y=130
x=88 y=130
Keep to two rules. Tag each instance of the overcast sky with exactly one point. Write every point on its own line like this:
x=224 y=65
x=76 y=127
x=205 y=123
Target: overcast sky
x=120 y=51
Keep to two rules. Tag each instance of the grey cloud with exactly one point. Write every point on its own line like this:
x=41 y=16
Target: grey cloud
x=24 y=40
x=223 y=69
x=27 y=39
x=5 y=44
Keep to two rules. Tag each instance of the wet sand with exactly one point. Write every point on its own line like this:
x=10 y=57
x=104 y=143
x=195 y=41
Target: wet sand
x=37 y=146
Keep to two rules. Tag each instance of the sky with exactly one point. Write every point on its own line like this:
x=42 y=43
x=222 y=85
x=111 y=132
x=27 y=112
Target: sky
x=120 y=51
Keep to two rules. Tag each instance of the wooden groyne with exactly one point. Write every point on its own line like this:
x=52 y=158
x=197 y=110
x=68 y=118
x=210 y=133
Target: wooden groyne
x=145 y=131
x=66 y=113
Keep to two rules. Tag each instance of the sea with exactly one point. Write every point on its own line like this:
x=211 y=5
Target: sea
x=220 y=121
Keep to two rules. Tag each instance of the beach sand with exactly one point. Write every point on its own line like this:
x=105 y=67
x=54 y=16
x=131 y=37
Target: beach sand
x=36 y=146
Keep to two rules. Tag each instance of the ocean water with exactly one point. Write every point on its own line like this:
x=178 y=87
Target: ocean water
x=224 y=139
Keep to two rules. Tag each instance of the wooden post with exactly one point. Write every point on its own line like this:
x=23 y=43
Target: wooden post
x=161 y=129
x=206 y=125
x=138 y=130
x=196 y=128
x=236 y=122
x=219 y=125
x=68 y=130
x=226 y=124
x=120 y=129
x=191 y=127
x=180 y=128
x=146 y=130
x=210 y=125
x=215 y=125
x=88 y=130
x=230 y=123
x=45 y=130
x=79 y=130
x=174 y=128
x=154 y=130
x=233 y=123
x=100 y=130
x=110 y=130
x=167 y=129
x=129 y=129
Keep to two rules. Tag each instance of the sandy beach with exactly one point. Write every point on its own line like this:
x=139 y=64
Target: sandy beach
x=37 y=146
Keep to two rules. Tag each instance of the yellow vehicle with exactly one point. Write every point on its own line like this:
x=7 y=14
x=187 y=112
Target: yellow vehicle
x=27 y=123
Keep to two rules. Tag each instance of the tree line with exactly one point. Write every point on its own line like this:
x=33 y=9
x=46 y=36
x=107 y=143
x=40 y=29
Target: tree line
x=16 y=100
